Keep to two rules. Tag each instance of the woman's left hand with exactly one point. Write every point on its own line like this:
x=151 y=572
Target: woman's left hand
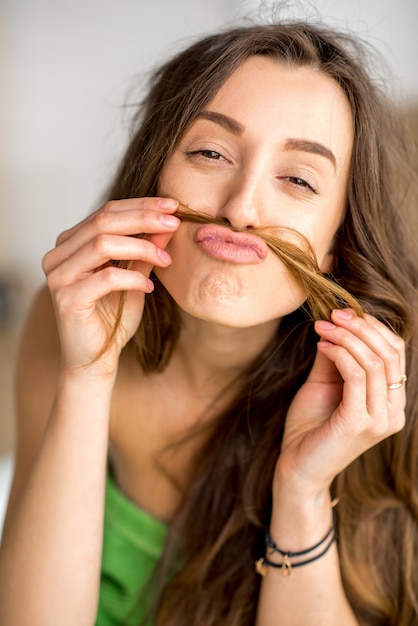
x=345 y=406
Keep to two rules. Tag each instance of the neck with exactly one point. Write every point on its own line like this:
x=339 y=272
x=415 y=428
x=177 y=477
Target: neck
x=212 y=354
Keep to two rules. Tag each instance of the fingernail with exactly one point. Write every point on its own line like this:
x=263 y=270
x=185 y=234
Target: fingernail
x=324 y=325
x=168 y=203
x=171 y=221
x=343 y=314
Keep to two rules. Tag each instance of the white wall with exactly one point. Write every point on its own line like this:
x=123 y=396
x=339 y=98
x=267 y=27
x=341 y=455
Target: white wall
x=389 y=25
x=69 y=68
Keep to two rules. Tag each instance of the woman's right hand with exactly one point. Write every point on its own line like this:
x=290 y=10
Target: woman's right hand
x=86 y=286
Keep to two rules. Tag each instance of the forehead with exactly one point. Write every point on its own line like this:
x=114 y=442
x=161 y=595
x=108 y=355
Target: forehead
x=268 y=96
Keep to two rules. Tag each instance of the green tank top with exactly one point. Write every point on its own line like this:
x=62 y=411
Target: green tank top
x=133 y=543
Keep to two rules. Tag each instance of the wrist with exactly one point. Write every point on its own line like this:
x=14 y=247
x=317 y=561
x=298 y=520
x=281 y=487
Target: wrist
x=301 y=532
x=96 y=374
x=298 y=490
x=286 y=560
x=84 y=393
x=300 y=517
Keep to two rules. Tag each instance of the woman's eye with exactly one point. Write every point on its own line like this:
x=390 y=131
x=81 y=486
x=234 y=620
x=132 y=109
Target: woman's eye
x=300 y=182
x=208 y=154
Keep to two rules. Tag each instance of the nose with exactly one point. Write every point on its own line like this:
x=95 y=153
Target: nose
x=242 y=203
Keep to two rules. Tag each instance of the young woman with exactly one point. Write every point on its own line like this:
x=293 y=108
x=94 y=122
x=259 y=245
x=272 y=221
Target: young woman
x=175 y=384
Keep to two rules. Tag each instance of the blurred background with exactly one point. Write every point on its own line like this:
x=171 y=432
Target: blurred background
x=67 y=71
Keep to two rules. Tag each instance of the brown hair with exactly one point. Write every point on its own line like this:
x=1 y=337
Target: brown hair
x=220 y=532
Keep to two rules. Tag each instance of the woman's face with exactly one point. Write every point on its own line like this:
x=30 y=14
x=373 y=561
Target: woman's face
x=272 y=148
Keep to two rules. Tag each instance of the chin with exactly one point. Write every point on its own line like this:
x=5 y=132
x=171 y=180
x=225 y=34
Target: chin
x=223 y=297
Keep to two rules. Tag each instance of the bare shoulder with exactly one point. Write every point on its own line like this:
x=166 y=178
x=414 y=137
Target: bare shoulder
x=35 y=382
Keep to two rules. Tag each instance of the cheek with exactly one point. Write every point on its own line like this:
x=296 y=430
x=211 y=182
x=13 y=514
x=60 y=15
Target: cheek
x=196 y=189
x=170 y=180
x=324 y=239
x=178 y=180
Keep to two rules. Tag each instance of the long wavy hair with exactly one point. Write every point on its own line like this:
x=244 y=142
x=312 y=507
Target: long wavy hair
x=219 y=531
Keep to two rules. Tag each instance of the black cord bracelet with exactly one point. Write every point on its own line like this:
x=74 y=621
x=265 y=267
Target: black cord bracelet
x=274 y=548
x=286 y=566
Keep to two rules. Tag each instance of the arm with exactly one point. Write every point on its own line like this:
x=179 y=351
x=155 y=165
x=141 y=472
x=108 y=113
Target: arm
x=343 y=409
x=52 y=539
x=51 y=550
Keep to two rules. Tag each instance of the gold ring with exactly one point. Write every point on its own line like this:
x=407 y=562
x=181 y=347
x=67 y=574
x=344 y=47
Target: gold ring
x=398 y=385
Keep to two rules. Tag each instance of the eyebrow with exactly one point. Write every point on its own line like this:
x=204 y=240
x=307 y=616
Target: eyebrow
x=223 y=120
x=303 y=145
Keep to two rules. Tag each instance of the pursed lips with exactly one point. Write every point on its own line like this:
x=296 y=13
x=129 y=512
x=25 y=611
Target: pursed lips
x=228 y=245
